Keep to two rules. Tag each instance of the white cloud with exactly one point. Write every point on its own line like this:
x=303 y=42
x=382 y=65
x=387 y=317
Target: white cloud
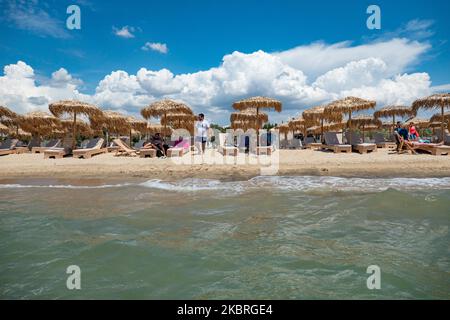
x=124 y=32
x=241 y=75
x=318 y=58
x=27 y=15
x=155 y=46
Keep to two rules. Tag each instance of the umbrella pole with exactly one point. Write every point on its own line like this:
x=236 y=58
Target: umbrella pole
x=393 y=123
x=130 y=138
x=321 y=131
x=442 y=123
x=257 y=127
x=74 y=130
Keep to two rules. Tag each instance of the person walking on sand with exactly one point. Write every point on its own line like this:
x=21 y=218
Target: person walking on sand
x=201 y=132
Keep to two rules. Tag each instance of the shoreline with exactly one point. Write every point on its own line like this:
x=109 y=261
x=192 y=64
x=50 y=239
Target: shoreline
x=380 y=164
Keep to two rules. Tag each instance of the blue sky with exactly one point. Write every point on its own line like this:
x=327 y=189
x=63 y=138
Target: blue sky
x=188 y=38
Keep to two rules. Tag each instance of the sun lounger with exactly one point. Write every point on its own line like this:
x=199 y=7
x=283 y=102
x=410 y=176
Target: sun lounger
x=382 y=143
x=60 y=152
x=295 y=144
x=8 y=146
x=139 y=144
x=311 y=143
x=435 y=149
x=54 y=143
x=124 y=149
x=354 y=139
x=224 y=149
x=332 y=143
x=178 y=151
x=34 y=142
x=147 y=152
x=94 y=147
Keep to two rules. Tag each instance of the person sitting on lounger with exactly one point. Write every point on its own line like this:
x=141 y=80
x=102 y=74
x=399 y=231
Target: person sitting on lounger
x=413 y=134
x=157 y=143
x=402 y=138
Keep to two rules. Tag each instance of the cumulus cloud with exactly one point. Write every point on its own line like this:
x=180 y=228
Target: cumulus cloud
x=20 y=92
x=240 y=75
x=155 y=46
x=124 y=32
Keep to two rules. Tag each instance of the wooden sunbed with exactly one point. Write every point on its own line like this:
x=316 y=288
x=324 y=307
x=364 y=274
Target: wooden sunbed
x=94 y=147
x=268 y=150
x=332 y=143
x=382 y=143
x=310 y=143
x=50 y=144
x=147 y=152
x=433 y=148
x=226 y=150
x=8 y=146
x=354 y=139
x=124 y=149
x=60 y=152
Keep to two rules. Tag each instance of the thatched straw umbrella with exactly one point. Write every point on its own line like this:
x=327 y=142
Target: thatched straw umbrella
x=136 y=125
x=420 y=122
x=435 y=101
x=258 y=103
x=392 y=111
x=153 y=128
x=438 y=117
x=162 y=108
x=114 y=122
x=39 y=123
x=284 y=128
x=4 y=129
x=74 y=108
x=363 y=122
x=7 y=113
x=20 y=134
x=82 y=127
x=9 y=118
x=250 y=114
x=179 y=121
x=317 y=114
x=349 y=105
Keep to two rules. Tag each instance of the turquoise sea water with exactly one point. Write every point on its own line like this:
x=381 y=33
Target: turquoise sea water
x=265 y=238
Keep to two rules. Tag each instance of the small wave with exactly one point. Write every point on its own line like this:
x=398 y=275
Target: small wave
x=279 y=183
x=62 y=186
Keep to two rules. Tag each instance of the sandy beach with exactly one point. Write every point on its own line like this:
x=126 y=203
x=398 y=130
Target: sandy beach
x=291 y=162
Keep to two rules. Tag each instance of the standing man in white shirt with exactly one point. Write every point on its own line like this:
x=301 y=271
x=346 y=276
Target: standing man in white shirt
x=201 y=131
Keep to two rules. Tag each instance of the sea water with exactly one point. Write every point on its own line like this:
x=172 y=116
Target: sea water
x=266 y=238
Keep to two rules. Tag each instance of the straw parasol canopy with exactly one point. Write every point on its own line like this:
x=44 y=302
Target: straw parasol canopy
x=392 y=111
x=258 y=103
x=436 y=124
x=157 y=128
x=179 y=121
x=20 y=134
x=162 y=108
x=249 y=114
x=9 y=118
x=39 y=122
x=82 y=127
x=435 y=101
x=362 y=122
x=7 y=113
x=4 y=129
x=74 y=108
x=114 y=121
x=284 y=128
x=420 y=122
x=349 y=105
x=438 y=117
x=317 y=114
